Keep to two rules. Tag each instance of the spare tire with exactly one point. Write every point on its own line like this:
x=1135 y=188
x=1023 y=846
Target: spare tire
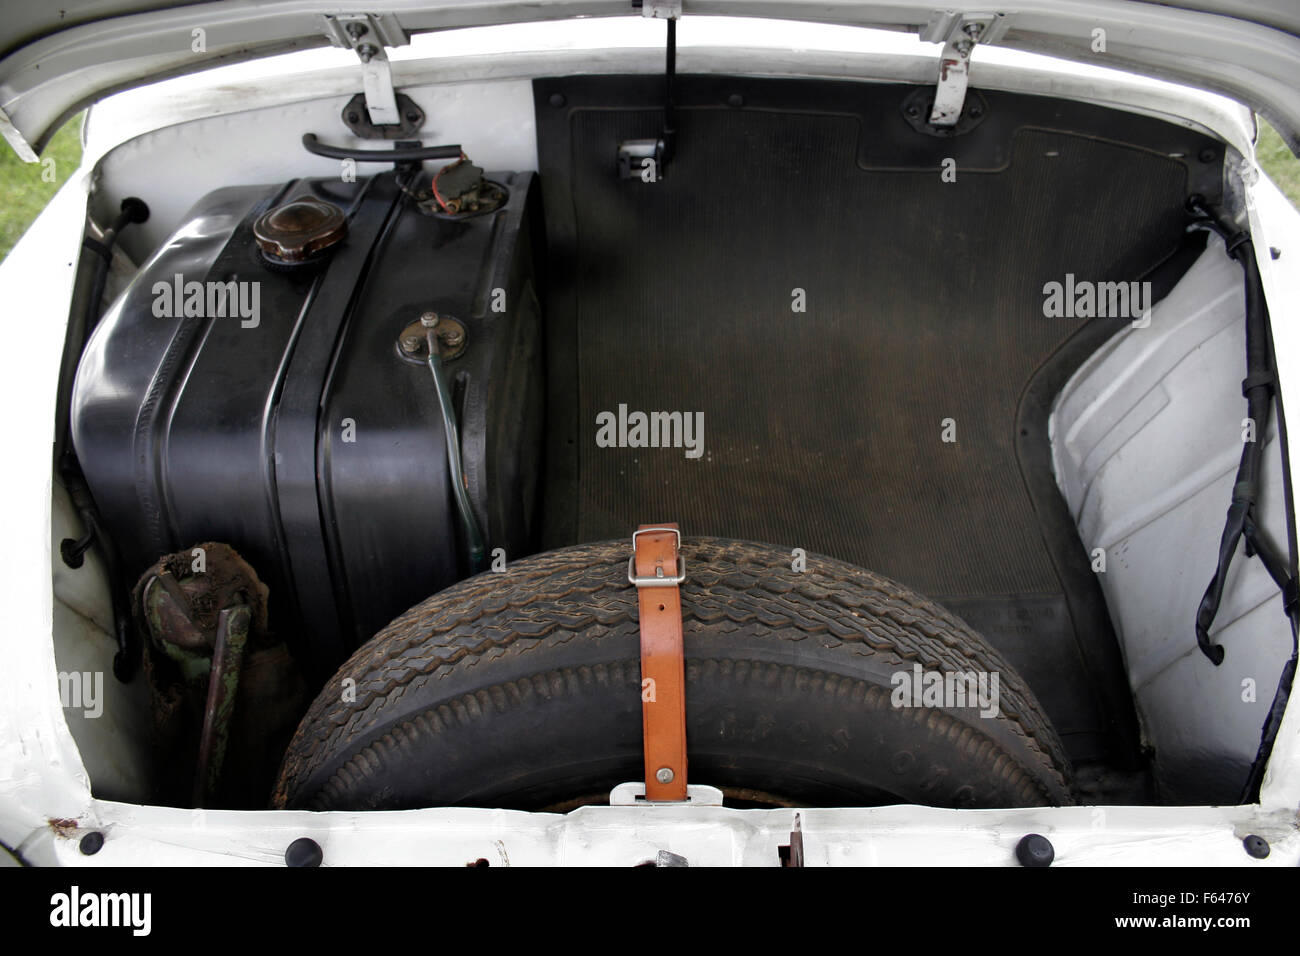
x=521 y=689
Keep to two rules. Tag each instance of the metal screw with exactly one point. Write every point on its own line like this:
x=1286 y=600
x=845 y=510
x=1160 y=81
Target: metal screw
x=973 y=30
x=412 y=116
x=664 y=775
x=410 y=344
x=367 y=51
x=557 y=100
x=452 y=337
x=429 y=319
x=353 y=117
x=357 y=30
x=735 y=100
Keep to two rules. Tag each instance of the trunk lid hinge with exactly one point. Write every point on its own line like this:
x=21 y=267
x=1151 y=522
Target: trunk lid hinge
x=958 y=32
x=368 y=35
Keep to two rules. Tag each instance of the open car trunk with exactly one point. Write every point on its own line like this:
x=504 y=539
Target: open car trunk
x=992 y=365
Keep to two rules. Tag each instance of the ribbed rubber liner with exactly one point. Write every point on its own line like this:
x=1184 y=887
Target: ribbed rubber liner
x=823 y=428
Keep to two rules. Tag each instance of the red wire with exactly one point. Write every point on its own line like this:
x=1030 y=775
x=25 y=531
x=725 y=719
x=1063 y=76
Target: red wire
x=437 y=195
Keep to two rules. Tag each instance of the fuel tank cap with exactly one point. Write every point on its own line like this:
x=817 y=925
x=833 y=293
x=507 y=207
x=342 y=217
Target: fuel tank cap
x=299 y=231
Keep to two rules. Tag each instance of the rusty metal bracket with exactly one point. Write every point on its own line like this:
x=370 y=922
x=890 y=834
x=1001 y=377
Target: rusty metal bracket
x=791 y=854
x=410 y=119
x=223 y=687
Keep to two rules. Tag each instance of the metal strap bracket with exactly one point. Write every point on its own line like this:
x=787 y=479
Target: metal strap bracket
x=660 y=9
x=958 y=32
x=368 y=35
x=633 y=795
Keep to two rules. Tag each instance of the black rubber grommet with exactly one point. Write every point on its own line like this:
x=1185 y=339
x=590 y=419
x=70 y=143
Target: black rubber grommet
x=1256 y=846
x=73 y=556
x=1035 y=850
x=303 y=851
x=93 y=842
x=135 y=209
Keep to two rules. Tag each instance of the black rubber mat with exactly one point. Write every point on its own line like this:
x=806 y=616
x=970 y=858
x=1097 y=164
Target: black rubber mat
x=824 y=428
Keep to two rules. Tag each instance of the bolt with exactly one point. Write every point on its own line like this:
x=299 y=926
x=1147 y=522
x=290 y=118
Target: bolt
x=736 y=100
x=429 y=320
x=357 y=30
x=973 y=30
x=452 y=337
x=303 y=852
x=93 y=842
x=557 y=100
x=412 y=116
x=912 y=111
x=410 y=344
x=664 y=775
x=354 y=117
x=367 y=51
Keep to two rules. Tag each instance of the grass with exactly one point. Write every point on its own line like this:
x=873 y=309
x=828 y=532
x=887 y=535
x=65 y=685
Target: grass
x=1277 y=161
x=24 y=186
x=26 y=189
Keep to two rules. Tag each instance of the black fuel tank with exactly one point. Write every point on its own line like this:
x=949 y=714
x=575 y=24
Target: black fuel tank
x=293 y=429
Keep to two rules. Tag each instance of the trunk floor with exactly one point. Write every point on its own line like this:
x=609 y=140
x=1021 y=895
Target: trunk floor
x=823 y=428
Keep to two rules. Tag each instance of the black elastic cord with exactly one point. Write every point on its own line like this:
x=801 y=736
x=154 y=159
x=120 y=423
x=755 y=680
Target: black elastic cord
x=73 y=550
x=670 y=82
x=399 y=155
x=1258 y=389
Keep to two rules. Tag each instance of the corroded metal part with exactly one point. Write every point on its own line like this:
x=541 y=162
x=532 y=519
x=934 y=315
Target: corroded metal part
x=223 y=687
x=297 y=230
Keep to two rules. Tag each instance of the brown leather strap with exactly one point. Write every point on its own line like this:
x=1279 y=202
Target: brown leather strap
x=663 y=664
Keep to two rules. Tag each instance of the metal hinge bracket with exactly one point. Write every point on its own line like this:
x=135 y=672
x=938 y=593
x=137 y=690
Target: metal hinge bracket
x=958 y=32
x=659 y=9
x=368 y=35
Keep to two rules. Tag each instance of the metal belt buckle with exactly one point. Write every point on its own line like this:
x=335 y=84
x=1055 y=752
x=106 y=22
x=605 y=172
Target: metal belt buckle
x=659 y=580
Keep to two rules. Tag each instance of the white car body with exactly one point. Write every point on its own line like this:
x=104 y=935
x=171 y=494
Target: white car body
x=477 y=82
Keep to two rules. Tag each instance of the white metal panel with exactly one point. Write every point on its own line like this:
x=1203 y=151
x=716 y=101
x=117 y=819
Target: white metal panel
x=1146 y=440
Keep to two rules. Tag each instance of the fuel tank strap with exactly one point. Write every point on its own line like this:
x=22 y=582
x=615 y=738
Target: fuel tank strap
x=657 y=569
